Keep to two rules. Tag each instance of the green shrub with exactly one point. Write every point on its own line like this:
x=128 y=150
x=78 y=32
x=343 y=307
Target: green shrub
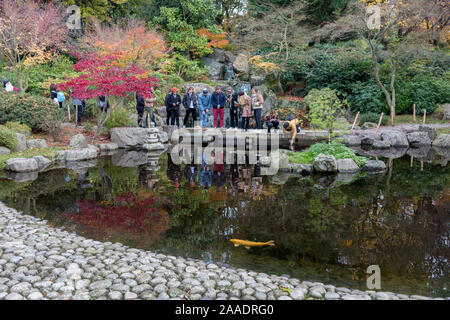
x=8 y=138
x=336 y=149
x=88 y=127
x=119 y=118
x=366 y=97
x=38 y=113
x=19 y=128
x=439 y=113
x=373 y=117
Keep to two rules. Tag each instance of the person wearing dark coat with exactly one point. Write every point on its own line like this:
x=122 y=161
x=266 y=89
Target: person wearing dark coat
x=140 y=105
x=174 y=102
x=234 y=109
x=190 y=104
x=218 y=101
x=167 y=106
x=102 y=102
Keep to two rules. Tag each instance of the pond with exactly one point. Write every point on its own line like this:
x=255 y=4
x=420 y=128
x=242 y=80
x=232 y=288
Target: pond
x=325 y=228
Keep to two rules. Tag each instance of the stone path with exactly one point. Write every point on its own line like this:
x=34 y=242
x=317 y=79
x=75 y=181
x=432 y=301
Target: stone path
x=40 y=262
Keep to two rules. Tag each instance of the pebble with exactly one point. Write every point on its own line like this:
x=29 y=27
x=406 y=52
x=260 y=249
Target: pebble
x=39 y=262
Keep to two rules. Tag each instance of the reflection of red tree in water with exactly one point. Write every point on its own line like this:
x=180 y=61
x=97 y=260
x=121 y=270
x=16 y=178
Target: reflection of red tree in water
x=130 y=218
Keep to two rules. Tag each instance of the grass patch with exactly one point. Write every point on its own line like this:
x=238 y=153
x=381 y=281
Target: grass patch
x=336 y=149
x=49 y=153
x=443 y=131
x=408 y=119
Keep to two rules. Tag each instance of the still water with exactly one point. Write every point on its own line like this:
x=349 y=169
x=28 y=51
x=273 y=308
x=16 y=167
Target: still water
x=326 y=228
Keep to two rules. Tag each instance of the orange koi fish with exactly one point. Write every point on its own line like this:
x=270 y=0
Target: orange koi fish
x=248 y=244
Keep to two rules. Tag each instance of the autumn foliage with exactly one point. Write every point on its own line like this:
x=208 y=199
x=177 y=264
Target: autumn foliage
x=133 y=44
x=30 y=34
x=128 y=216
x=215 y=40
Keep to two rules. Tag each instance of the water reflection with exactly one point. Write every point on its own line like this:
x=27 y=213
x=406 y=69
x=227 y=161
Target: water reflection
x=326 y=228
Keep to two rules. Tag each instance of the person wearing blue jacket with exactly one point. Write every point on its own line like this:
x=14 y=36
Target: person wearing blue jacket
x=61 y=98
x=218 y=101
x=204 y=107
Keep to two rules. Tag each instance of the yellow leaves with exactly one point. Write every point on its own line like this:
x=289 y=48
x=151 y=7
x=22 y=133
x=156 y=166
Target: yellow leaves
x=215 y=40
x=260 y=64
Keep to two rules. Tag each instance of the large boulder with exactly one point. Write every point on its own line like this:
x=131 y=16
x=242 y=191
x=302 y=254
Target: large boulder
x=215 y=68
x=347 y=166
x=442 y=141
x=198 y=88
x=129 y=158
x=430 y=130
x=352 y=140
x=36 y=144
x=21 y=177
x=301 y=168
x=418 y=139
x=270 y=99
x=163 y=136
x=78 y=141
x=106 y=147
x=134 y=138
x=161 y=111
x=22 y=143
x=374 y=166
x=4 y=150
x=369 y=138
x=241 y=63
x=395 y=138
x=368 y=125
x=78 y=154
x=281 y=159
x=21 y=165
x=325 y=163
x=381 y=144
x=42 y=162
x=223 y=56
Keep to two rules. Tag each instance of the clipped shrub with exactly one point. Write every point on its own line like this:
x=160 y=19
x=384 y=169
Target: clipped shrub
x=119 y=118
x=336 y=149
x=439 y=113
x=38 y=113
x=8 y=138
x=373 y=117
x=18 y=127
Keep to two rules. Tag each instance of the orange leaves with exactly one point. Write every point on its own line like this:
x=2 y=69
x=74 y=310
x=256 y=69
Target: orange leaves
x=215 y=40
x=134 y=43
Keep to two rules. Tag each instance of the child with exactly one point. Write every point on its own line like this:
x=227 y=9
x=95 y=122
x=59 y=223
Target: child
x=61 y=98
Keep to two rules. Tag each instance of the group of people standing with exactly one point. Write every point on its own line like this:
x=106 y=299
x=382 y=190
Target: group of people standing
x=207 y=104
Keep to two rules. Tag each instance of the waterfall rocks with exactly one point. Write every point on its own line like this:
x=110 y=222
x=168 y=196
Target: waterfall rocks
x=325 y=163
x=21 y=165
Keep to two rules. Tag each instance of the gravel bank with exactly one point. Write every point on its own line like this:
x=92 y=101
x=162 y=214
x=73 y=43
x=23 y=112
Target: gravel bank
x=40 y=262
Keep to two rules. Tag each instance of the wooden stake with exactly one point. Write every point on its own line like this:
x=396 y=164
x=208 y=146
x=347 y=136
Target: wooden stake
x=76 y=115
x=421 y=165
x=148 y=119
x=411 y=162
x=68 y=111
x=379 y=121
x=356 y=119
x=414 y=112
x=424 y=116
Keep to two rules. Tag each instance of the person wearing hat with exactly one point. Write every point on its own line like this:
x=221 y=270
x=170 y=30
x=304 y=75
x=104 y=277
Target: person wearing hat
x=218 y=101
x=174 y=102
x=204 y=106
x=5 y=81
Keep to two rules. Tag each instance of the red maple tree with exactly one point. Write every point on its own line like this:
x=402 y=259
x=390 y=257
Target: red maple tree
x=128 y=216
x=102 y=75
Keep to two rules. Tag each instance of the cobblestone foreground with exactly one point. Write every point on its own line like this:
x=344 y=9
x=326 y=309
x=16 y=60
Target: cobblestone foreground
x=40 y=262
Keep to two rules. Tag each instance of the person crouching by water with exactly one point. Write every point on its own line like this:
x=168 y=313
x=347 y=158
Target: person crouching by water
x=245 y=102
x=272 y=120
x=149 y=115
x=292 y=126
x=190 y=104
x=174 y=102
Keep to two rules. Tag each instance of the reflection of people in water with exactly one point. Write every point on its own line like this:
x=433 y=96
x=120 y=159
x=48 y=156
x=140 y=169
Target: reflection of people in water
x=190 y=172
x=82 y=179
x=205 y=177
x=147 y=177
x=257 y=183
x=246 y=183
x=218 y=178
x=173 y=171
